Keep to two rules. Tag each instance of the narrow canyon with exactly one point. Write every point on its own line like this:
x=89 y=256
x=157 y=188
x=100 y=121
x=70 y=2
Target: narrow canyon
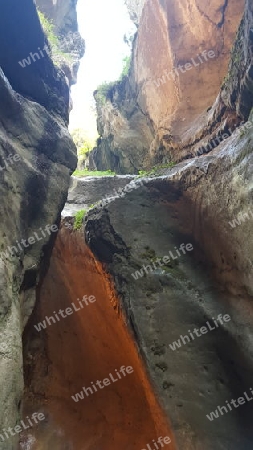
x=126 y=318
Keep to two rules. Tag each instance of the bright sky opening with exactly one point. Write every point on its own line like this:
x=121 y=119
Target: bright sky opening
x=103 y=25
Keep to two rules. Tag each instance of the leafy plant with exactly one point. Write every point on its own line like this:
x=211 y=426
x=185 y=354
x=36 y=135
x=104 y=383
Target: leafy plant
x=93 y=173
x=59 y=57
x=144 y=173
x=83 y=143
x=79 y=219
x=126 y=67
x=48 y=28
x=103 y=91
x=148 y=254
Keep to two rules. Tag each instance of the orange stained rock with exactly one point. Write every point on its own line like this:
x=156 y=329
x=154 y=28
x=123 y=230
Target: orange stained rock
x=82 y=348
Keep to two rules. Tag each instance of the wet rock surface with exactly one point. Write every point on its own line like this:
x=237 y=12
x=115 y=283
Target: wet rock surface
x=86 y=191
x=143 y=306
x=233 y=104
x=151 y=116
x=87 y=346
x=193 y=204
x=71 y=46
x=40 y=81
x=37 y=156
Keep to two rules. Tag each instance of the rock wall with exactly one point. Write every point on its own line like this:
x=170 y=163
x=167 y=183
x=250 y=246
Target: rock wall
x=37 y=156
x=70 y=49
x=135 y=8
x=234 y=101
x=86 y=191
x=38 y=81
x=79 y=350
x=173 y=80
x=195 y=203
x=205 y=202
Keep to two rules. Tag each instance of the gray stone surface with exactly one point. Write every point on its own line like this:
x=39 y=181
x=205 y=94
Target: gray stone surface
x=85 y=191
x=158 y=112
x=192 y=204
x=135 y=8
x=63 y=15
x=33 y=188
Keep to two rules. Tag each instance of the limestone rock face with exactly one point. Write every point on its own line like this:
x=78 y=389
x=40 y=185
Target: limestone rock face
x=39 y=81
x=234 y=102
x=206 y=203
x=64 y=18
x=61 y=13
x=122 y=125
x=84 y=192
x=171 y=81
x=37 y=156
x=195 y=203
x=135 y=8
x=237 y=91
x=94 y=341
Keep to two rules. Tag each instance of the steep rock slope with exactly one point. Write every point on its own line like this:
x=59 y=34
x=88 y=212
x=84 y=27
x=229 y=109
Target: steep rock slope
x=193 y=204
x=135 y=8
x=86 y=191
x=169 y=85
x=235 y=99
x=39 y=81
x=37 y=156
x=205 y=202
x=70 y=48
x=88 y=346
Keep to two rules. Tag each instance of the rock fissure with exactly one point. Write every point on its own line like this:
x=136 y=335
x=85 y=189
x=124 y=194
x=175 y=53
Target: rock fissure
x=223 y=12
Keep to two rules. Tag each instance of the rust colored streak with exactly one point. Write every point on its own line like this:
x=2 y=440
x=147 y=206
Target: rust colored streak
x=83 y=348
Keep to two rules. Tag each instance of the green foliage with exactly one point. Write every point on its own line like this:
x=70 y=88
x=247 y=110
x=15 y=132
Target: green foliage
x=149 y=253
x=103 y=90
x=48 y=28
x=79 y=219
x=86 y=148
x=145 y=173
x=165 y=166
x=92 y=173
x=59 y=57
x=126 y=67
x=83 y=143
